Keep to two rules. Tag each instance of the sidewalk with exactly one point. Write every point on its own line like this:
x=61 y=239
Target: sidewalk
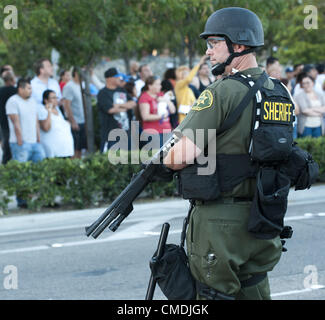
x=80 y=218
x=315 y=194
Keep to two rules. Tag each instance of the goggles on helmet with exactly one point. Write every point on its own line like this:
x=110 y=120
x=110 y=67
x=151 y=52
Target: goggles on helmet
x=213 y=41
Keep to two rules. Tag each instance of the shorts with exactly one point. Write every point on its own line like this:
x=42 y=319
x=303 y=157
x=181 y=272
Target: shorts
x=79 y=137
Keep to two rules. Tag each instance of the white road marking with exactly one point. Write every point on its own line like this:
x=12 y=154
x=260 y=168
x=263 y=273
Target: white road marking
x=28 y=249
x=287 y=293
x=136 y=231
x=36 y=230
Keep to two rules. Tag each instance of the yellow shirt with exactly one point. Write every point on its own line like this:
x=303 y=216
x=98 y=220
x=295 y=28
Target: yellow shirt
x=184 y=95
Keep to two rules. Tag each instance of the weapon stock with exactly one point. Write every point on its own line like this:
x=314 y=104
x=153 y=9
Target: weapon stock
x=122 y=206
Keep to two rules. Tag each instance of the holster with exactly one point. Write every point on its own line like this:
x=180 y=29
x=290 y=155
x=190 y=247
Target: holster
x=269 y=204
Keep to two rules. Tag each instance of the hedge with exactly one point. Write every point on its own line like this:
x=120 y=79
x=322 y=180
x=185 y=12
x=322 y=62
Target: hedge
x=79 y=183
x=93 y=180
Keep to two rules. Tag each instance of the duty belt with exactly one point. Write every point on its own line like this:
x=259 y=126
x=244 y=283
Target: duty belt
x=224 y=200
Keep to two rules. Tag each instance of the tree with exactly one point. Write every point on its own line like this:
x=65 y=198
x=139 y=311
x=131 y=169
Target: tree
x=80 y=30
x=81 y=34
x=302 y=37
x=29 y=42
x=83 y=31
x=176 y=25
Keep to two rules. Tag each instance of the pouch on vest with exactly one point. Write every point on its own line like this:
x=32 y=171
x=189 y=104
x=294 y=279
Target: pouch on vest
x=192 y=185
x=269 y=204
x=271 y=143
x=272 y=135
x=300 y=168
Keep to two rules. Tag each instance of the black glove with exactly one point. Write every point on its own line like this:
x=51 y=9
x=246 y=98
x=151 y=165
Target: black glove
x=162 y=173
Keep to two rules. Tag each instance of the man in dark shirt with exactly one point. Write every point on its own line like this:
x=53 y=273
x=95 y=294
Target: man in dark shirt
x=5 y=93
x=113 y=104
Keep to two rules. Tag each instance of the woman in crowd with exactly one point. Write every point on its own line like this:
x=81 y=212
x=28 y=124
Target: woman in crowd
x=184 y=94
x=65 y=77
x=203 y=79
x=312 y=107
x=55 y=133
x=155 y=108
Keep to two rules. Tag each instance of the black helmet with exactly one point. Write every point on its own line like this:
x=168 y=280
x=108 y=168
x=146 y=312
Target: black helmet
x=240 y=25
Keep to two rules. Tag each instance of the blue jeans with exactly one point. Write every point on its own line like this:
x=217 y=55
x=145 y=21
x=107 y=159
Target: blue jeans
x=313 y=132
x=24 y=153
x=27 y=152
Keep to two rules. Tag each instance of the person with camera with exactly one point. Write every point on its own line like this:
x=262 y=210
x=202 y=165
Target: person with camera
x=55 y=133
x=155 y=108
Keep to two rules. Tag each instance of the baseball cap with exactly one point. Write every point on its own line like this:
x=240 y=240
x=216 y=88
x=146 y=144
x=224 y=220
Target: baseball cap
x=289 y=69
x=126 y=78
x=112 y=73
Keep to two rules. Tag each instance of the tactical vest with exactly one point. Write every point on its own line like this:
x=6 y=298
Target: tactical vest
x=271 y=145
x=271 y=135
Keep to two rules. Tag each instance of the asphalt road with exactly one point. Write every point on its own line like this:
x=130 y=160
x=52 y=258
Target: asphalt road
x=48 y=256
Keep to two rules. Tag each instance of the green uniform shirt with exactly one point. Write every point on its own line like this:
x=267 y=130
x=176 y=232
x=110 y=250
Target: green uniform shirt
x=210 y=111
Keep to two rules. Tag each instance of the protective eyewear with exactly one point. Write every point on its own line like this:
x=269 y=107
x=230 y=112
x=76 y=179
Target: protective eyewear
x=212 y=42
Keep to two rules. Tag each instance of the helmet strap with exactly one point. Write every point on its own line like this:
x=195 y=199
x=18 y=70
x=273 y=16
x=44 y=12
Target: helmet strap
x=219 y=68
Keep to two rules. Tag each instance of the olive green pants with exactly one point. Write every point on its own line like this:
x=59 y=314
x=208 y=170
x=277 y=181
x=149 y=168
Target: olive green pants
x=222 y=252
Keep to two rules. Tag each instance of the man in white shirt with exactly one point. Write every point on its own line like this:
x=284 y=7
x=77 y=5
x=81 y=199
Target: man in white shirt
x=24 y=131
x=43 y=80
x=144 y=73
x=24 y=134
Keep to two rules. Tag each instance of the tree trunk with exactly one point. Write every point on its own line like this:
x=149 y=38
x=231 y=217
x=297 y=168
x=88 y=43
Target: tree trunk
x=126 y=63
x=88 y=109
x=191 y=53
x=181 y=54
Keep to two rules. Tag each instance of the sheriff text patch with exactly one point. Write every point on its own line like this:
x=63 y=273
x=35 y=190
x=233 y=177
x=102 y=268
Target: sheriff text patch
x=277 y=112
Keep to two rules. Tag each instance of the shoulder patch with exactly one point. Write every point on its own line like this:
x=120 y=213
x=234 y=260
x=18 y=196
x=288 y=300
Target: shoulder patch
x=204 y=101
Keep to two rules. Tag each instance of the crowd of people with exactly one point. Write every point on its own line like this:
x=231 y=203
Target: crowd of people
x=39 y=117
x=43 y=118
x=306 y=84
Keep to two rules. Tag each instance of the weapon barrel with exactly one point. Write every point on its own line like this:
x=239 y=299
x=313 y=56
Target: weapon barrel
x=104 y=225
x=95 y=224
x=119 y=207
x=120 y=199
